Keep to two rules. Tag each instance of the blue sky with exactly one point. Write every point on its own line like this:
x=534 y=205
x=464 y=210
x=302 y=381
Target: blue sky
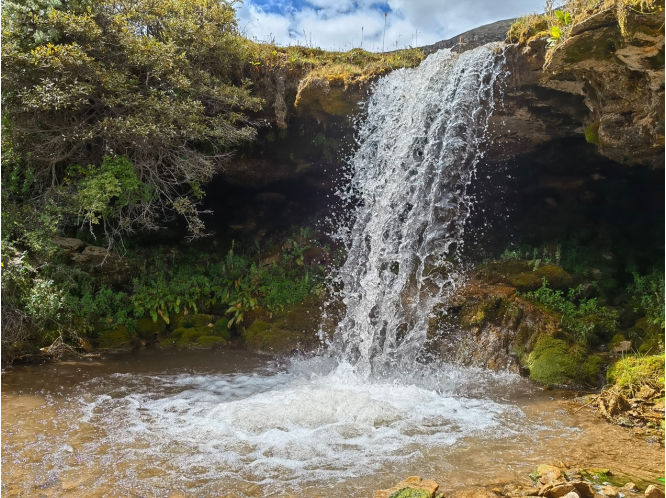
x=345 y=24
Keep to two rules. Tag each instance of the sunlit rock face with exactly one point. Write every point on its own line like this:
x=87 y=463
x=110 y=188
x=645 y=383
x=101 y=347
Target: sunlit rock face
x=598 y=84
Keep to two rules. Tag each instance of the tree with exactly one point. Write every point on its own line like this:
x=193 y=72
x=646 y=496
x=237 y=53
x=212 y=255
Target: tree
x=117 y=111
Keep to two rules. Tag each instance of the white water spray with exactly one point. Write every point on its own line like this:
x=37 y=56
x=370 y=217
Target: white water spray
x=419 y=146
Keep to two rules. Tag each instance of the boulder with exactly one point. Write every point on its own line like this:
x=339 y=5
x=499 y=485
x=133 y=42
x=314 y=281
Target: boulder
x=68 y=244
x=560 y=490
x=653 y=492
x=609 y=491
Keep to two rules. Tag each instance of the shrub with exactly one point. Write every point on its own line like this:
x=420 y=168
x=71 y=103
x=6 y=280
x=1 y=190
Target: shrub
x=584 y=318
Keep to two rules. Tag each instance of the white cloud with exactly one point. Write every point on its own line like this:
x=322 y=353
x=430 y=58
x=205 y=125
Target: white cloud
x=339 y=24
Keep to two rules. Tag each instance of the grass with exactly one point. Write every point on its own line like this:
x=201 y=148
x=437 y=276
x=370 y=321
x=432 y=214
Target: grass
x=635 y=371
x=342 y=68
x=542 y=25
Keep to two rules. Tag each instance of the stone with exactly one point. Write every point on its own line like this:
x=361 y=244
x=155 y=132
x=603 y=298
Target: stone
x=630 y=487
x=560 y=490
x=571 y=494
x=622 y=347
x=584 y=489
x=412 y=483
x=609 y=491
x=69 y=244
x=653 y=492
x=476 y=492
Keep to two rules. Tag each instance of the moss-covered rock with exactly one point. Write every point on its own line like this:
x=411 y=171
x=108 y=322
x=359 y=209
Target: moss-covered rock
x=554 y=362
x=557 y=278
x=147 y=329
x=192 y=335
x=116 y=338
x=526 y=282
x=194 y=321
x=411 y=493
x=221 y=329
x=295 y=328
x=211 y=341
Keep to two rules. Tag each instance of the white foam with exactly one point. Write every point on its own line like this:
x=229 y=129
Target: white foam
x=300 y=425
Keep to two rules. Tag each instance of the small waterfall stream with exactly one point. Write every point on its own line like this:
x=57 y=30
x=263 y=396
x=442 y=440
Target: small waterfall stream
x=418 y=149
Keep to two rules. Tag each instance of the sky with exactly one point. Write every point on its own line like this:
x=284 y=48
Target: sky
x=347 y=24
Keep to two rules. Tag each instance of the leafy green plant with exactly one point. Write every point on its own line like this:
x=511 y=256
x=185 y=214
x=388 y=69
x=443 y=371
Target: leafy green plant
x=559 y=30
x=584 y=318
x=649 y=291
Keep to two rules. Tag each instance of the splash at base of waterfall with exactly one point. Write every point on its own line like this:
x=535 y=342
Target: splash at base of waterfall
x=227 y=423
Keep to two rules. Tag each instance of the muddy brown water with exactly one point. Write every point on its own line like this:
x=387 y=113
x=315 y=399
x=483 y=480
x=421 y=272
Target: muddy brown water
x=230 y=423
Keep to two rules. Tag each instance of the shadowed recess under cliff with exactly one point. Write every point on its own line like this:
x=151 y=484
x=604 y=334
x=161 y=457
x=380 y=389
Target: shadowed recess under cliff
x=418 y=148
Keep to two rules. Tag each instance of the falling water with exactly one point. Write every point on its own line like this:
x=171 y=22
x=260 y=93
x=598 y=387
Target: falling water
x=418 y=149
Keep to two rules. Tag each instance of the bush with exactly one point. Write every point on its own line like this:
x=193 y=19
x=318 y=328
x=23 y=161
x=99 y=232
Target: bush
x=584 y=318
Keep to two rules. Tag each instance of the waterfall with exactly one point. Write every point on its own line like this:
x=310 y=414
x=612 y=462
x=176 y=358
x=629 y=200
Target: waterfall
x=418 y=148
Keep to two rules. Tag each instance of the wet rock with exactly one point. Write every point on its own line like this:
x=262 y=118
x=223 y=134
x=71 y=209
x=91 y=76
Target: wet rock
x=630 y=487
x=412 y=487
x=549 y=474
x=476 y=492
x=609 y=491
x=653 y=492
x=584 y=489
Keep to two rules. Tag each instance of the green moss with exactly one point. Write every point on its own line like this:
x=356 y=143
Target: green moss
x=526 y=282
x=178 y=333
x=194 y=321
x=616 y=340
x=554 y=362
x=592 y=133
x=638 y=370
x=192 y=335
x=221 y=325
x=146 y=328
x=411 y=493
x=115 y=338
x=211 y=341
x=558 y=278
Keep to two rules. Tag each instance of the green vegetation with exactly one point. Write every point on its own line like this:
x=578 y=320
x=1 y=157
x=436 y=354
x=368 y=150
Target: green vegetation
x=582 y=317
x=635 y=371
x=554 y=362
x=411 y=493
x=58 y=301
x=117 y=111
x=556 y=24
x=115 y=115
